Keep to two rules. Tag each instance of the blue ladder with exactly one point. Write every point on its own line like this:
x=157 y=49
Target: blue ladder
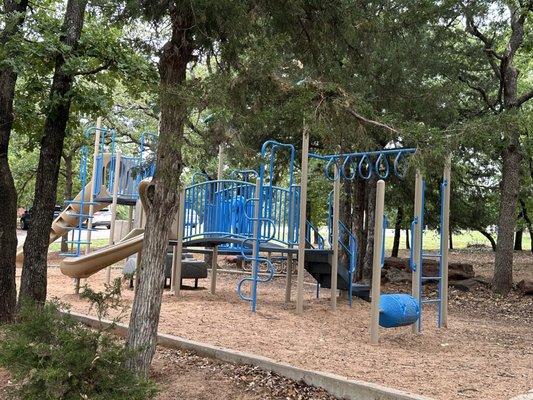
x=434 y=255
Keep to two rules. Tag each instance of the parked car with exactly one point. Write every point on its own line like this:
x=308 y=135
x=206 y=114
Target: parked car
x=25 y=219
x=102 y=218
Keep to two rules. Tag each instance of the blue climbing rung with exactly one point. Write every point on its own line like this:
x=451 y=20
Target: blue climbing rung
x=431 y=278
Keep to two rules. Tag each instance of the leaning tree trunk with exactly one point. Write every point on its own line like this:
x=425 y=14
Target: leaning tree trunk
x=14 y=15
x=144 y=320
x=34 y=280
x=397 y=232
x=489 y=238
x=509 y=189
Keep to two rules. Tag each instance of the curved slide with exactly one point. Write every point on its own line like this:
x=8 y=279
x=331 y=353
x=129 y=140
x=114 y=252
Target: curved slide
x=69 y=218
x=89 y=264
x=85 y=266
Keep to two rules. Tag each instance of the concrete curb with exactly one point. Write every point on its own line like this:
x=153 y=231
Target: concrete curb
x=336 y=385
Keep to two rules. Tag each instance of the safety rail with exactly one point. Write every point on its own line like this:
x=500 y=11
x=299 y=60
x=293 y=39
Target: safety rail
x=217 y=208
x=347 y=242
x=310 y=228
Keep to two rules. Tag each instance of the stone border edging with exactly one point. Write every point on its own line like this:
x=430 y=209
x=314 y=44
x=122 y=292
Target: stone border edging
x=336 y=385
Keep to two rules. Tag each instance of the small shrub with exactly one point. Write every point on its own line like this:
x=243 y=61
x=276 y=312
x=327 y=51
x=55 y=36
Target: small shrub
x=51 y=356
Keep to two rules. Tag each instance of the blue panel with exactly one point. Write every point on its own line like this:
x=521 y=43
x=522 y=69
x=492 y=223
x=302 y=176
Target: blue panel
x=398 y=310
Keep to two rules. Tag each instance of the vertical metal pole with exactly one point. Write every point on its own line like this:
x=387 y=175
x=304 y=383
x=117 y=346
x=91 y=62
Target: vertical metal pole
x=376 y=262
x=116 y=176
x=214 y=266
x=335 y=236
x=178 y=249
x=220 y=168
x=416 y=245
x=130 y=218
x=444 y=244
x=301 y=233
x=93 y=184
x=288 y=279
x=255 y=248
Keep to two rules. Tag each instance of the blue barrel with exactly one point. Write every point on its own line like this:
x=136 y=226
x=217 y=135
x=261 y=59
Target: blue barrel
x=398 y=310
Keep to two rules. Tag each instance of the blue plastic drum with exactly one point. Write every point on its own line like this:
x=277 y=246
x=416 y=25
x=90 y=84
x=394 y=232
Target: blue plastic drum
x=398 y=310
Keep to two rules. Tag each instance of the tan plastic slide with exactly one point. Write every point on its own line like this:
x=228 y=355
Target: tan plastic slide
x=68 y=219
x=85 y=266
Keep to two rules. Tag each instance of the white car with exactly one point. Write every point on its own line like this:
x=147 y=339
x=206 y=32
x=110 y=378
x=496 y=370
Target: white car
x=102 y=218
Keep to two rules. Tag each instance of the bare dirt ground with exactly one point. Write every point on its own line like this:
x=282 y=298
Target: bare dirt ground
x=486 y=352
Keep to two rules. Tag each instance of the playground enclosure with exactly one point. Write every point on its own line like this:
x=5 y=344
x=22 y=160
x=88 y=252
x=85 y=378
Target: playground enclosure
x=252 y=216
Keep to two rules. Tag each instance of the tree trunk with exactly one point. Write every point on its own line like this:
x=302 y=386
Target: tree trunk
x=509 y=189
x=359 y=224
x=370 y=218
x=33 y=281
x=397 y=232
x=144 y=320
x=518 y=240
x=451 y=240
x=489 y=237
x=407 y=239
x=69 y=183
x=529 y=225
x=8 y=193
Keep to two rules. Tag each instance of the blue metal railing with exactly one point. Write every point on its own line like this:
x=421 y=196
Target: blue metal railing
x=312 y=230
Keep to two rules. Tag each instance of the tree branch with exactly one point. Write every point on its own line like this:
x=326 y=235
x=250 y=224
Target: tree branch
x=371 y=122
x=525 y=97
x=491 y=54
x=482 y=92
x=102 y=67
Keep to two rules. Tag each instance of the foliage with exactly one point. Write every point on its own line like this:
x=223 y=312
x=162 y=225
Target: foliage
x=51 y=357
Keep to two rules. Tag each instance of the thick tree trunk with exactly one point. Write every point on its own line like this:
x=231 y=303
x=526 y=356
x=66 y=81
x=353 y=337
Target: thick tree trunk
x=34 y=280
x=14 y=16
x=509 y=189
x=397 y=232
x=489 y=237
x=518 y=239
x=370 y=218
x=144 y=320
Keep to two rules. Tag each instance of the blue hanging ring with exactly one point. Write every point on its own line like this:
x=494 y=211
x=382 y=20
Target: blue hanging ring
x=365 y=160
x=399 y=157
x=327 y=169
x=382 y=161
x=346 y=166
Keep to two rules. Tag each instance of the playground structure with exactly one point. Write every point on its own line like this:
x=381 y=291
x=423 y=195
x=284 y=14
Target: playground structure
x=257 y=219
